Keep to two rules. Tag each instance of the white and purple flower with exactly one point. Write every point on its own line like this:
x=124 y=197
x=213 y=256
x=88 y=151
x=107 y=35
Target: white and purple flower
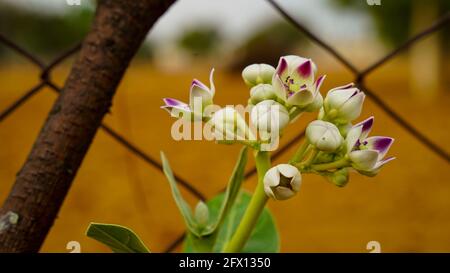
x=367 y=153
x=294 y=82
x=200 y=96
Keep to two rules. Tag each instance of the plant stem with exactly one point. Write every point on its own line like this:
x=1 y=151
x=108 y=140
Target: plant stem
x=343 y=162
x=298 y=156
x=311 y=157
x=254 y=209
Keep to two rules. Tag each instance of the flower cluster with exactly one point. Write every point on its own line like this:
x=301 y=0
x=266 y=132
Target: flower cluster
x=278 y=96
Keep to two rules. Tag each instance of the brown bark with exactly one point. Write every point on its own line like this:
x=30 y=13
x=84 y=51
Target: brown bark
x=41 y=185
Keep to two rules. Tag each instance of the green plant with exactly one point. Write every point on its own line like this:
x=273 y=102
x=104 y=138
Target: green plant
x=236 y=221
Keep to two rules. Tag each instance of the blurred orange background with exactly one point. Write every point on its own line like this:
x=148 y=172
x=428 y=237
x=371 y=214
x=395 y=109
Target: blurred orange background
x=406 y=207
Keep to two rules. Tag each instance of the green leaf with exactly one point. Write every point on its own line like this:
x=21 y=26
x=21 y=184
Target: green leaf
x=181 y=203
x=120 y=239
x=234 y=184
x=264 y=237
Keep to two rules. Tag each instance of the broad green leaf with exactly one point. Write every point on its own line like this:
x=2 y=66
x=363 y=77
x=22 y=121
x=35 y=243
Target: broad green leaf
x=264 y=237
x=181 y=203
x=120 y=239
x=234 y=184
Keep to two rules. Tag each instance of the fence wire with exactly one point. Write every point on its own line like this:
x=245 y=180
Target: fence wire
x=359 y=75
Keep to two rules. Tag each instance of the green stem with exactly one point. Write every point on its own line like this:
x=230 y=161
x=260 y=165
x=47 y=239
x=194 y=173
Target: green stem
x=254 y=209
x=295 y=113
x=311 y=157
x=343 y=162
x=298 y=156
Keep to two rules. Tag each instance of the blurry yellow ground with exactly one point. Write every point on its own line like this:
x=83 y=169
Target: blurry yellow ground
x=405 y=208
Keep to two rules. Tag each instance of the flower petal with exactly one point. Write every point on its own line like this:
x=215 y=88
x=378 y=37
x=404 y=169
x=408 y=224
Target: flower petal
x=175 y=103
x=272 y=177
x=269 y=192
x=212 y=88
x=366 y=127
x=294 y=61
x=301 y=98
x=287 y=170
x=364 y=160
x=380 y=144
x=304 y=74
x=175 y=107
x=197 y=91
x=335 y=98
x=283 y=193
x=347 y=86
x=199 y=84
x=353 y=136
x=316 y=104
x=318 y=83
x=352 y=108
x=282 y=68
x=278 y=87
x=384 y=161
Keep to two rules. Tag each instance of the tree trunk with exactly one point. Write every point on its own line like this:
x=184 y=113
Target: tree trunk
x=42 y=184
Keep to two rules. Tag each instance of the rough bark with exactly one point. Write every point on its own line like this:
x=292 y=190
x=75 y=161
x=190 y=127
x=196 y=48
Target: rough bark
x=42 y=184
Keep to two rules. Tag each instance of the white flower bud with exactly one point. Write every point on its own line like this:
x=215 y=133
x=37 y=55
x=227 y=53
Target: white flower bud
x=282 y=181
x=201 y=214
x=258 y=73
x=343 y=104
x=324 y=136
x=229 y=125
x=269 y=116
x=261 y=92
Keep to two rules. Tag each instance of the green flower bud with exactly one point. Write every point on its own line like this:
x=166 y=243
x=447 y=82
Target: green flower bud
x=339 y=177
x=201 y=214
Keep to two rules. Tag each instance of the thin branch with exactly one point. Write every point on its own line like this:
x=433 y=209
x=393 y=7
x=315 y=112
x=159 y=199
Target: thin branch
x=313 y=37
x=430 y=30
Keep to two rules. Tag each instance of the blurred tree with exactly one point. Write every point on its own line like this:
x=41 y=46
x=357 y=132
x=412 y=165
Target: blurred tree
x=394 y=20
x=268 y=44
x=200 y=41
x=47 y=33
x=398 y=20
x=44 y=33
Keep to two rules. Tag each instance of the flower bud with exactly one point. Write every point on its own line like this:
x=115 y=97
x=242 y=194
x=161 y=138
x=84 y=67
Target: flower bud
x=339 y=177
x=268 y=116
x=229 y=125
x=282 y=181
x=324 y=136
x=201 y=214
x=258 y=73
x=343 y=104
x=261 y=92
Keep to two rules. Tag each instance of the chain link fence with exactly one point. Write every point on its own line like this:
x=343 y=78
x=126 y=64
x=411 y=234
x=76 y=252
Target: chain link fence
x=359 y=77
